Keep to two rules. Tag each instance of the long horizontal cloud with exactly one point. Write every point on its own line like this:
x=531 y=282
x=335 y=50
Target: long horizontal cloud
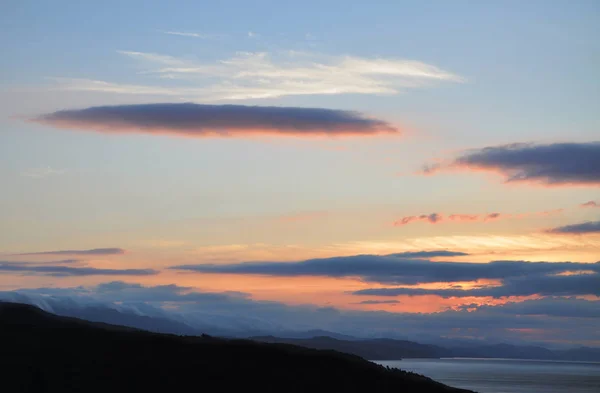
x=590 y=204
x=258 y=75
x=544 y=285
x=577 y=229
x=394 y=270
x=66 y=271
x=197 y=120
x=95 y=251
x=436 y=218
x=429 y=254
x=552 y=164
x=569 y=307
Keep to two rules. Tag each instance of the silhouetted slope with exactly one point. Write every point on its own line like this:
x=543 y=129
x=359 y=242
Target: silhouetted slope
x=375 y=349
x=42 y=352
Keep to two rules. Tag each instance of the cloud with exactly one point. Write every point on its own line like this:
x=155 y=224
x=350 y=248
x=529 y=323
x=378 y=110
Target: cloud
x=68 y=261
x=95 y=251
x=39 y=173
x=432 y=218
x=46 y=269
x=369 y=302
x=436 y=218
x=428 y=254
x=551 y=306
x=196 y=120
x=543 y=285
x=256 y=75
x=577 y=229
x=394 y=270
x=555 y=319
x=553 y=164
x=590 y=204
x=194 y=35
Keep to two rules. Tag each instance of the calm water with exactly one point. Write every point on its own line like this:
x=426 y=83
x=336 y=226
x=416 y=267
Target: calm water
x=507 y=376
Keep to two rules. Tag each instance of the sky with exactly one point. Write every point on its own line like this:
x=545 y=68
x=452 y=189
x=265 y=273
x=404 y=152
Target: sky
x=385 y=160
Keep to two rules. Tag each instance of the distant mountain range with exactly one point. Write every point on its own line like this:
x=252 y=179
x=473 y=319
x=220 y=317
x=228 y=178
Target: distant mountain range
x=374 y=349
x=389 y=349
x=43 y=352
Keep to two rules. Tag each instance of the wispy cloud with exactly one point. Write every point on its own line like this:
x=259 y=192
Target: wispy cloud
x=436 y=218
x=255 y=75
x=43 y=172
x=95 y=251
x=54 y=270
x=590 y=204
x=577 y=229
x=554 y=164
x=194 y=35
x=196 y=120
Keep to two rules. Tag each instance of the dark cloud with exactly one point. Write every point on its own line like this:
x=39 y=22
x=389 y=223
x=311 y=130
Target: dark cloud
x=394 y=270
x=553 y=164
x=379 y=302
x=95 y=251
x=577 y=229
x=544 y=285
x=196 y=120
x=428 y=254
x=66 y=271
x=24 y=263
x=432 y=218
x=569 y=307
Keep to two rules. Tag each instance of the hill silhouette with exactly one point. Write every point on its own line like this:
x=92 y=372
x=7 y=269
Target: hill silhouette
x=373 y=349
x=43 y=352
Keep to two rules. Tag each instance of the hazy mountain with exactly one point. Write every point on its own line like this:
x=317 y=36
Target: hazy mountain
x=50 y=353
x=378 y=349
x=154 y=319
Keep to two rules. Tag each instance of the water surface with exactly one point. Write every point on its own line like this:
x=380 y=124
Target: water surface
x=507 y=375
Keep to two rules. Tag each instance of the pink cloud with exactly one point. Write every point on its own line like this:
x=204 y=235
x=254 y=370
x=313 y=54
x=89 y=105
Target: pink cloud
x=436 y=218
x=590 y=204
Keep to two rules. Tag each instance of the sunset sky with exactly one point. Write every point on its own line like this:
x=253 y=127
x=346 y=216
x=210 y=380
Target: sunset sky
x=393 y=162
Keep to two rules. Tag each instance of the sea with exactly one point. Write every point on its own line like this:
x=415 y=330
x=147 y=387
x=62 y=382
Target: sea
x=507 y=375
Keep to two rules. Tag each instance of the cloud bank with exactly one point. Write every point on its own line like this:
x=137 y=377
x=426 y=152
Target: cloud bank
x=390 y=269
x=95 y=251
x=553 y=164
x=543 y=285
x=552 y=319
x=196 y=120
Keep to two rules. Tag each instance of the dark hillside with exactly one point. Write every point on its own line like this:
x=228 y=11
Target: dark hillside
x=42 y=352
